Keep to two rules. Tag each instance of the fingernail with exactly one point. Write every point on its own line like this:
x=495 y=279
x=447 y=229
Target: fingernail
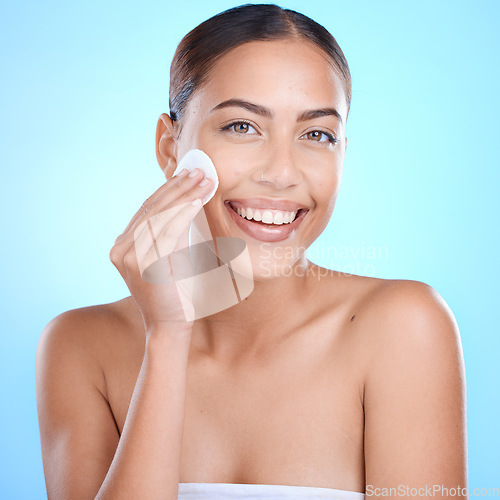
x=184 y=171
x=204 y=182
x=194 y=172
x=197 y=201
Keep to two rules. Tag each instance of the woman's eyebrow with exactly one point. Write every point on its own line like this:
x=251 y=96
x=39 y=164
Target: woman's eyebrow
x=319 y=113
x=253 y=108
x=309 y=114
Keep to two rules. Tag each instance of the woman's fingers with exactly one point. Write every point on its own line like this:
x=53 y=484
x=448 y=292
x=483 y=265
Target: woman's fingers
x=164 y=233
x=154 y=249
x=167 y=210
x=177 y=190
x=184 y=189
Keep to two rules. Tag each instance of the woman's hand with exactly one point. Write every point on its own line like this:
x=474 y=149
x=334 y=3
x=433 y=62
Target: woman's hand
x=160 y=227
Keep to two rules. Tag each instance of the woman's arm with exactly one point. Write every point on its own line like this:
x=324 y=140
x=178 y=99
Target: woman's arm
x=77 y=430
x=83 y=455
x=415 y=397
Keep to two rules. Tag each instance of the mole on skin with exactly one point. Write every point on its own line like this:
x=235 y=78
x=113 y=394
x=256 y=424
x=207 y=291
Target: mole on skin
x=352 y=319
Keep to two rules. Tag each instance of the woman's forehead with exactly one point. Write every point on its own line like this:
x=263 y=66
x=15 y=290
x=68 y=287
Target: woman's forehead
x=275 y=74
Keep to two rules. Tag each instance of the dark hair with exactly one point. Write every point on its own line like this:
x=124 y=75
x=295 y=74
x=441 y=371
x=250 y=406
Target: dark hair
x=199 y=50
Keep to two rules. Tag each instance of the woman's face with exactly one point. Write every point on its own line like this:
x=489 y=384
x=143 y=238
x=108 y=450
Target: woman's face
x=272 y=118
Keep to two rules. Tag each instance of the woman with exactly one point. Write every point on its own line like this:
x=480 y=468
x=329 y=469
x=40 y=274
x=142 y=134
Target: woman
x=318 y=384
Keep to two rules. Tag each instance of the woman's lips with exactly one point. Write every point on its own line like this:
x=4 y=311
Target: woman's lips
x=265 y=232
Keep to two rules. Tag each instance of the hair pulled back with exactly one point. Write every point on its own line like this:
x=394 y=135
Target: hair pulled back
x=200 y=49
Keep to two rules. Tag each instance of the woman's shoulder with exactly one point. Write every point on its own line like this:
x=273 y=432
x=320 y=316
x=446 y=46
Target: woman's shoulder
x=402 y=318
x=96 y=322
x=394 y=308
x=383 y=296
x=413 y=379
x=404 y=300
x=92 y=335
x=402 y=330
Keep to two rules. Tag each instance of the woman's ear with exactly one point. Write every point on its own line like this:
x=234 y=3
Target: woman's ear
x=166 y=144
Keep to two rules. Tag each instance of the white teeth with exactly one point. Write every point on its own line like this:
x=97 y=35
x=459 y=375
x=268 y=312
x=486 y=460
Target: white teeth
x=267 y=217
x=277 y=217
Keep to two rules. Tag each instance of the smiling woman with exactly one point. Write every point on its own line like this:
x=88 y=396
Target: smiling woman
x=279 y=149
x=316 y=385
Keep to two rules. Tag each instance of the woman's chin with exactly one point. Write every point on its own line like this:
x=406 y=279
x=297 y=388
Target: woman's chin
x=265 y=268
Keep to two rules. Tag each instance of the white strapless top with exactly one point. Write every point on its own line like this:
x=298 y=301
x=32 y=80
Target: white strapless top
x=230 y=491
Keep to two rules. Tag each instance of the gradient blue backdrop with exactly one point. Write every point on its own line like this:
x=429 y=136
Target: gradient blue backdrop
x=82 y=86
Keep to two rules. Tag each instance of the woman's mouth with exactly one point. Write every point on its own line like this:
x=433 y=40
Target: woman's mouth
x=265 y=224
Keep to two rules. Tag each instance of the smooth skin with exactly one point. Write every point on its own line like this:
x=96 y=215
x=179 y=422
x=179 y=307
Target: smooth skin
x=317 y=379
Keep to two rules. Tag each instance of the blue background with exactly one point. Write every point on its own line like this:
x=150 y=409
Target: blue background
x=82 y=86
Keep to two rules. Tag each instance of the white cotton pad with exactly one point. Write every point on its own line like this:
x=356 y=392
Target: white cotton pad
x=196 y=158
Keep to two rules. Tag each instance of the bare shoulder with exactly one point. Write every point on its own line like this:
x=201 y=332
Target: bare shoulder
x=91 y=326
x=97 y=321
x=403 y=318
x=78 y=430
x=408 y=312
x=414 y=396
x=88 y=335
x=411 y=293
x=386 y=313
x=397 y=324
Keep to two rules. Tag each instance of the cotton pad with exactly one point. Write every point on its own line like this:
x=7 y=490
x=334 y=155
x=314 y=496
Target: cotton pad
x=196 y=158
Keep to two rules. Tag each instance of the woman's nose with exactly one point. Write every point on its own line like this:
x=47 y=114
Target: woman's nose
x=280 y=168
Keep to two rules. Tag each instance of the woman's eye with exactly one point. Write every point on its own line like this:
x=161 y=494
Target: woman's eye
x=240 y=128
x=320 y=136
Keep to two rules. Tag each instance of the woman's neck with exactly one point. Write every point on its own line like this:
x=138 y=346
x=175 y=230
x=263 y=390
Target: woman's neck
x=266 y=317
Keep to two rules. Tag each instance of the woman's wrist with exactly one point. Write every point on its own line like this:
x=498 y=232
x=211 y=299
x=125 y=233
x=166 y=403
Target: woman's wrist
x=168 y=334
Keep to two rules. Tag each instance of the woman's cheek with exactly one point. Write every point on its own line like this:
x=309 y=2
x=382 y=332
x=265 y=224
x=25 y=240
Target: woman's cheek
x=229 y=164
